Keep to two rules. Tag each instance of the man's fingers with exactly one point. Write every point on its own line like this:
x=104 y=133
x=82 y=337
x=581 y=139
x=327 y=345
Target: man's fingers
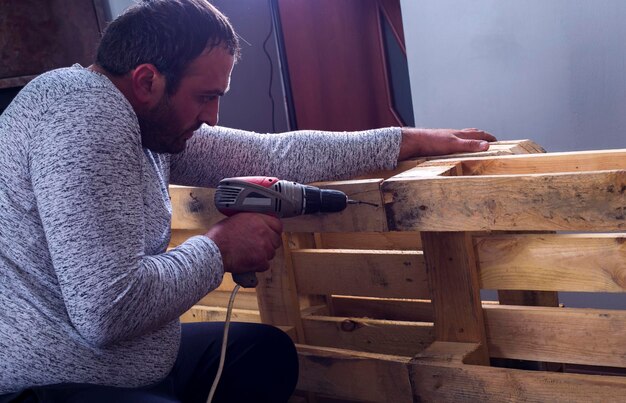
x=475 y=134
x=273 y=222
x=474 y=145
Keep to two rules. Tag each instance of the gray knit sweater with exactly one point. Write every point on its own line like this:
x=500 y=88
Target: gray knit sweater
x=88 y=293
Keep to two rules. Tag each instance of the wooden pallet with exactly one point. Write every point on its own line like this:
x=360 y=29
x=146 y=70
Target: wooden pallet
x=384 y=302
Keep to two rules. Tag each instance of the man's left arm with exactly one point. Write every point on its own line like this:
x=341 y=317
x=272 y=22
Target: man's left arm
x=306 y=156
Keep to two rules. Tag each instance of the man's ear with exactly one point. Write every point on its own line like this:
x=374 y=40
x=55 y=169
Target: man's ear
x=148 y=84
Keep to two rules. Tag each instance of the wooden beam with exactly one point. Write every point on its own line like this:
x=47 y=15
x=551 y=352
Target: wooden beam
x=399 y=274
x=414 y=310
x=453 y=278
x=578 y=161
x=586 y=201
x=569 y=335
x=371 y=335
x=354 y=375
x=200 y=313
x=370 y=240
x=498 y=148
x=444 y=379
x=278 y=298
x=243 y=300
x=193 y=208
x=355 y=218
x=547 y=262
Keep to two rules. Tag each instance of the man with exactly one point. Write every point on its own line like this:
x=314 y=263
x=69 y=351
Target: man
x=90 y=297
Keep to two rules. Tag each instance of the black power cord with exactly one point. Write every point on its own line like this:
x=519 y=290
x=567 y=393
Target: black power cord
x=271 y=63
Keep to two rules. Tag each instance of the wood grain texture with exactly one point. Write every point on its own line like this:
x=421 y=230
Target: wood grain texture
x=586 y=201
x=415 y=310
x=358 y=376
x=199 y=313
x=355 y=218
x=193 y=208
x=453 y=279
x=278 y=298
x=569 y=335
x=395 y=274
x=497 y=148
x=446 y=382
x=522 y=161
x=243 y=300
x=370 y=335
x=593 y=262
x=371 y=240
x=579 y=161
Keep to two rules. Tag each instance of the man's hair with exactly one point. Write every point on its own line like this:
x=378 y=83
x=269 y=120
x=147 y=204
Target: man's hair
x=169 y=34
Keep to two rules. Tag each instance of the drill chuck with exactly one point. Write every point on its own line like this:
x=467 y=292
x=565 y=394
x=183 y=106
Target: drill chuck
x=323 y=200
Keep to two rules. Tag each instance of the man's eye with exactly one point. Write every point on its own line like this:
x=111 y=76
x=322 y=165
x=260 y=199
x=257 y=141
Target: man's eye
x=208 y=98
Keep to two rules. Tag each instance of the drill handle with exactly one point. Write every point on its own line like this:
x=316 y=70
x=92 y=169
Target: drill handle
x=246 y=280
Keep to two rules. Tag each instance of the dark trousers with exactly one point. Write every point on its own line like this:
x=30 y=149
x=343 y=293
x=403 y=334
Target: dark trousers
x=261 y=366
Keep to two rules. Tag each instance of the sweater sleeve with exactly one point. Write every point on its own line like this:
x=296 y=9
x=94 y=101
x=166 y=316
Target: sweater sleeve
x=304 y=156
x=86 y=169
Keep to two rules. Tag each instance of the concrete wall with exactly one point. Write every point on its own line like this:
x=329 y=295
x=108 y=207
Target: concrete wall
x=247 y=105
x=550 y=70
x=553 y=71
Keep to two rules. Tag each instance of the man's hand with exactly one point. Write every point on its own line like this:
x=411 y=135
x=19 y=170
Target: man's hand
x=247 y=241
x=429 y=142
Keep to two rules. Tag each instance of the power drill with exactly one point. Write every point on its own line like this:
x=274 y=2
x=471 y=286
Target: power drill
x=281 y=198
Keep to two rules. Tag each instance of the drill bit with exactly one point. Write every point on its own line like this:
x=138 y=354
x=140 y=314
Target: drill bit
x=350 y=201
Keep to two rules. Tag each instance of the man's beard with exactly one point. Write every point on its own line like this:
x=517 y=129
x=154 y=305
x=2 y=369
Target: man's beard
x=160 y=129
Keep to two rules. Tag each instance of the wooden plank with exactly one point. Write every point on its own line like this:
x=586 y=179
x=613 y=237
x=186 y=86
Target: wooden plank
x=576 y=336
x=586 y=201
x=370 y=240
x=427 y=171
x=579 y=161
x=370 y=335
x=590 y=262
x=453 y=278
x=495 y=149
x=355 y=218
x=446 y=380
x=278 y=300
x=354 y=375
x=193 y=208
x=395 y=274
x=200 y=313
x=415 y=310
x=384 y=174
x=243 y=300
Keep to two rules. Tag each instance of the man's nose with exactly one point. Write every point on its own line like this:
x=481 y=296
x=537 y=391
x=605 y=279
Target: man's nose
x=210 y=114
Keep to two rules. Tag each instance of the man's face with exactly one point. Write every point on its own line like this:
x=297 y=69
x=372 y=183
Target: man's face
x=167 y=127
